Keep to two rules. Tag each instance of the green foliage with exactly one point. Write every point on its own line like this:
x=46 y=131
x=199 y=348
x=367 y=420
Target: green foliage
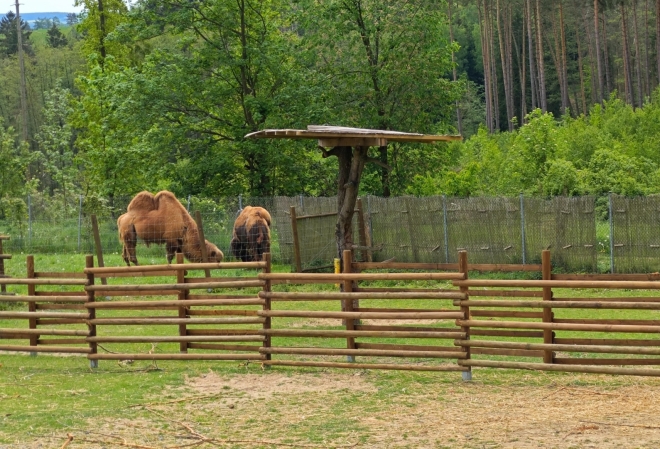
x=9 y=37
x=364 y=55
x=55 y=37
x=98 y=26
x=56 y=142
x=610 y=150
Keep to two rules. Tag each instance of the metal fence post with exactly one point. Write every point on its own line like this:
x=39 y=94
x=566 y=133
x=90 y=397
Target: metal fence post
x=611 y=233
x=240 y=202
x=80 y=202
x=522 y=228
x=444 y=225
x=188 y=207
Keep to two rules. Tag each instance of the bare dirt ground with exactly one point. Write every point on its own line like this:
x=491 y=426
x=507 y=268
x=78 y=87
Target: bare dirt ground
x=328 y=409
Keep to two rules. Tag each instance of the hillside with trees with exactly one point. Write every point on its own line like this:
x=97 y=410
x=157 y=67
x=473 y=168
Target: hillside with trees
x=553 y=98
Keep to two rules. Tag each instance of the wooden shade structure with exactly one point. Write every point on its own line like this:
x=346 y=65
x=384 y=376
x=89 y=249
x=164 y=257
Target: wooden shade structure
x=351 y=146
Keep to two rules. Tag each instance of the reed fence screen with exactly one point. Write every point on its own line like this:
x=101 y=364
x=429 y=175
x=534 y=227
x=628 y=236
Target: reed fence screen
x=585 y=234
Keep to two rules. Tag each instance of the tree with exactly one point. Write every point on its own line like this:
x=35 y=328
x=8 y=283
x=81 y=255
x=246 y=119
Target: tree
x=55 y=37
x=42 y=23
x=55 y=139
x=9 y=44
x=71 y=19
x=381 y=65
x=101 y=17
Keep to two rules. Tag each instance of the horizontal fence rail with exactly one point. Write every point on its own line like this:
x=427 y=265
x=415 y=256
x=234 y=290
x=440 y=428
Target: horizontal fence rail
x=433 y=318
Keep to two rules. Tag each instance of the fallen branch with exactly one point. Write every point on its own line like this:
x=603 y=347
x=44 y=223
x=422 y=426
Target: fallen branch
x=69 y=439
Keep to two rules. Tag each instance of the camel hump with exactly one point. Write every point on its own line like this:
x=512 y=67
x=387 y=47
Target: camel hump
x=166 y=200
x=143 y=201
x=263 y=213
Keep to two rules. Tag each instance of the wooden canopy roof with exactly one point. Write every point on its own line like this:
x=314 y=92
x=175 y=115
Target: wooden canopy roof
x=333 y=136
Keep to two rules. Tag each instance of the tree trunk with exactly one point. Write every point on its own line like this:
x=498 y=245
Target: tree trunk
x=455 y=76
x=647 y=76
x=540 y=55
x=564 y=60
x=638 y=58
x=102 y=32
x=486 y=62
x=522 y=75
x=626 y=57
x=493 y=66
x=384 y=174
x=583 y=97
x=532 y=68
x=557 y=59
x=599 y=93
x=351 y=166
x=657 y=37
x=504 y=58
x=608 y=73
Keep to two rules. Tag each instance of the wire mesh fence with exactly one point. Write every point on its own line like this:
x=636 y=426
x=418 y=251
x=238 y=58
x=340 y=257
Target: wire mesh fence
x=585 y=234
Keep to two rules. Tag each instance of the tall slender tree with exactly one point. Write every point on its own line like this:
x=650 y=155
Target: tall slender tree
x=541 y=64
x=601 y=89
x=627 y=75
x=532 y=58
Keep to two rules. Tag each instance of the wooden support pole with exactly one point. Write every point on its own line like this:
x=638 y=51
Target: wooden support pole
x=296 y=242
x=349 y=304
x=93 y=346
x=548 y=315
x=32 y=305
x=202 y=241
x=463 y=269
x=97 y=244
x=267 y=304
x=183 y=295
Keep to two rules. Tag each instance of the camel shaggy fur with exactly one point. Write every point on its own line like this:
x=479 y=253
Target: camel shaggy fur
x=159 y=219
x=251 y=236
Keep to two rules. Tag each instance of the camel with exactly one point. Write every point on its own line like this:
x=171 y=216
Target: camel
x=251 y=236
x=159 y=219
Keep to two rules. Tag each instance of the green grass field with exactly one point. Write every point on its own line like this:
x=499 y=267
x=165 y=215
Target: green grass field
x=59 y=401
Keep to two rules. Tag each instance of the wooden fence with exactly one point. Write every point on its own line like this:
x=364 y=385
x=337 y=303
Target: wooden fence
x=422 y=317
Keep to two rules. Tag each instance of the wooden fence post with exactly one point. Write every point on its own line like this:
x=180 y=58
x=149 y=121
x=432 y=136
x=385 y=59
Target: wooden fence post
x=97 y=243
x=32 y=305
x=548 y=315
x=183 y=295
x=463 y=268
x=3 y=287
x=93 y=346
x=296 y=243
x=202 y=240
x=267 y=304
x=347 y=304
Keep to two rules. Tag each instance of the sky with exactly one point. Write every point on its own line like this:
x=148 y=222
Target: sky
x=41 y=6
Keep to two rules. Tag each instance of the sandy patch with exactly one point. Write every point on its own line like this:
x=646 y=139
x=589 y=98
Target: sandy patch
x=268 y=384
x=329 y=409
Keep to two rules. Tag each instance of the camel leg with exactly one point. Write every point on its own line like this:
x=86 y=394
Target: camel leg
x=130 y=243
x=173 y=248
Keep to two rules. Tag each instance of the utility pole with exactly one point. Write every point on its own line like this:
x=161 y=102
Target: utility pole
x=21 y=61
